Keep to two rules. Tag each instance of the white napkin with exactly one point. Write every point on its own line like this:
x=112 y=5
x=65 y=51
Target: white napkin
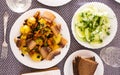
x=51 y=72
x=117 y=1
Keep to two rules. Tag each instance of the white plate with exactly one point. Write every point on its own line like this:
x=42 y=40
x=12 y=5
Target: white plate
x=113 y=24
x=54 y=3
x=117 y=1
x=68 y=67
x=26 y=60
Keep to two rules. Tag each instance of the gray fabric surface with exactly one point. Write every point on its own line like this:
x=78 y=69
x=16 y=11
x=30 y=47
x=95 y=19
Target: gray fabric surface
x=12 y=67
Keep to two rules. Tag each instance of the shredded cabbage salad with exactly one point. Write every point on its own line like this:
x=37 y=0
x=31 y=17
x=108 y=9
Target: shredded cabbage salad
x=92 y=25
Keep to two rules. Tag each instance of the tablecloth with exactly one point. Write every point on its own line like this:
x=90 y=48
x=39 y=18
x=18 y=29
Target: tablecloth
x=12 y=66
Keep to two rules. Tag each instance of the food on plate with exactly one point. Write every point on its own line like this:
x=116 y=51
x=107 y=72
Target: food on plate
x=52 y=54
x=91 y=25
x=40 y=37
x=49 y=16
x=84 y=66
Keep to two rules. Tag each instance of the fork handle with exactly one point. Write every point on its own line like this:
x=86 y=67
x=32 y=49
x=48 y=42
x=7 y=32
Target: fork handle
x=5 y=28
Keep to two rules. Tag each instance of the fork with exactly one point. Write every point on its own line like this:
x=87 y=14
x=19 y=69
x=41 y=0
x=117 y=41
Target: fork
x=4 y=51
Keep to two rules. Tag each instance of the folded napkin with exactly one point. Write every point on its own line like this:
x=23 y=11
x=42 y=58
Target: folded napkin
x=50 y=72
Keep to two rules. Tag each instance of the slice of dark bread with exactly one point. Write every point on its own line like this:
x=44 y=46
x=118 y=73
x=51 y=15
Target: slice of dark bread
x=87 y=67
x=84 y=66
x=91 y=58
x=75 y=65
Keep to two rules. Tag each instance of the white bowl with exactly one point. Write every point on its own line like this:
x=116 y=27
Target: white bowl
x=54 y=3
x=117 y=1
x=113 y=25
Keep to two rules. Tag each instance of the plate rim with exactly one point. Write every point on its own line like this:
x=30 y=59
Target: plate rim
x=53 y=5
x=85 y=44
x=13 y=44
x=78 y=51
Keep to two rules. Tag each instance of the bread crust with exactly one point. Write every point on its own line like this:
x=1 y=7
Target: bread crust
x=84 y=66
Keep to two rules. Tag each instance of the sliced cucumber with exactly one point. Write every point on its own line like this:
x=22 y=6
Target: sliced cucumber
x=79 y=33
x=87 y=34
x=92 y=26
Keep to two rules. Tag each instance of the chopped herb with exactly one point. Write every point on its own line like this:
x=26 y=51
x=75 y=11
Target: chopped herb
x=108 y=33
